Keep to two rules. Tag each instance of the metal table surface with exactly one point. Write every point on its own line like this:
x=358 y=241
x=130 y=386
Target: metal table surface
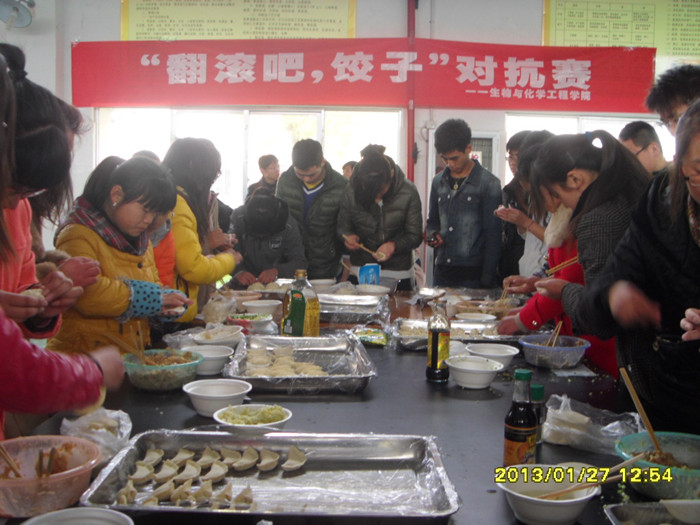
x=468 y=425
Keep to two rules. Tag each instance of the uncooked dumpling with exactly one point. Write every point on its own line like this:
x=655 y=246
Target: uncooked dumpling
x=191 y=471
x=127 y=494
x=167 y=471
x=216 y=473
x=182 y=456
x=143 y=473
x=153 y=456
x=268 y=460
x=248 y=459
x=230 y=456
x=244 y=499
x=181 y=493
x=164 y=491
x=150 y=502
x=224 y=497
x=203 y=493
x=208 y=457
x=295 y=459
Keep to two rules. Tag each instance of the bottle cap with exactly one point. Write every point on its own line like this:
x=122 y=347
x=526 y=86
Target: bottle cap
x=298 y=274
x=536 y=392
x=522 y=374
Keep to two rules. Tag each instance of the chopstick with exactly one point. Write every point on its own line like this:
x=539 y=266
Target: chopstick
x=10 y=461
x=348 y=268
x=562 y=265
x=555 y=335
x=640 y=408
x=44 y=472
x=125 y=346
x=362 y=246
x=583 y=485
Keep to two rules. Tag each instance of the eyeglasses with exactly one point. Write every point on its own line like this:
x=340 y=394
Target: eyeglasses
x=642 y=149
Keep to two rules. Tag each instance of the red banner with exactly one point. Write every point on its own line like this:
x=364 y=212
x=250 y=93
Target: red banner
x=361 y=72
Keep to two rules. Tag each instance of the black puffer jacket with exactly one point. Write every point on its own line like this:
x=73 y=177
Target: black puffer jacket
x=661 y=258
x=318 y=229
x=399 y=219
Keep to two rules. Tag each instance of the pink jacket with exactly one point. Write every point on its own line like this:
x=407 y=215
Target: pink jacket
x=39 y=381
x=20 y=273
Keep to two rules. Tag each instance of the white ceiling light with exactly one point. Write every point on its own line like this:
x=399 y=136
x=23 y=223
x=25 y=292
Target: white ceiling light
x=17 y=13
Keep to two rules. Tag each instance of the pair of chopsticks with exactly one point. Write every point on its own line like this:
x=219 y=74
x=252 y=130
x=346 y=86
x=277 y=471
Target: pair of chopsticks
x=374 y=254
x=585 y=485
x=126 y=347
x=552 y=341
x=562 y=265
x=640 y=409
x=42 y=471
x=10 y=461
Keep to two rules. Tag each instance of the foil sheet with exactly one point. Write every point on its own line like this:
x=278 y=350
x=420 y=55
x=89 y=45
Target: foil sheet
x=640 y=514
x=412 y=334
x=370 y=475
x=354 y=309
x=342 y=357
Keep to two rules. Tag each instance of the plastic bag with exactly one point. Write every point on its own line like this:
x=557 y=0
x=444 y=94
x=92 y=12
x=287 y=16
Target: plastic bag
x=218 y=308
x=579 y=425
x=110 y=429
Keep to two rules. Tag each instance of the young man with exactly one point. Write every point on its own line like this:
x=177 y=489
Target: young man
x=673 y=93
x=642 y=140
x=461 y=225
x=270 y=169
x=312 y=190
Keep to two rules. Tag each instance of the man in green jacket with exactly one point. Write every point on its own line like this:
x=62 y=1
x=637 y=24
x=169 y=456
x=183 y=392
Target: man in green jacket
x=313 y=190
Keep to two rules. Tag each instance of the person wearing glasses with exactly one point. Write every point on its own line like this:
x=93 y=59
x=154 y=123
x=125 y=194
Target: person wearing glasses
x=461 y=225
x=641 y=139
x=313 y=190
x=673 y=92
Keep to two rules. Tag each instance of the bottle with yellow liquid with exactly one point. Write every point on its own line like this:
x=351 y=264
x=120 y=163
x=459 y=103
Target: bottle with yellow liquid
x=301 y=311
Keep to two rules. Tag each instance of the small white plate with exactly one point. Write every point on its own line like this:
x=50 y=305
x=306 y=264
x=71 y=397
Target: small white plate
x=475 y=317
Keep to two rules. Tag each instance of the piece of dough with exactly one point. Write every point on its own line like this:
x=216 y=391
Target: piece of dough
x=248 y=460
x=230 y=456
x=203 y=493
x=182 y=456
x=216 y=473
x=244 y=499
x=153 y=456
x=182 y=493
x=224 y=497
x=208 y=457
x=127 y=494
x=167 y=471
x=142 y=474
x=164 y=491
x=191 y=471
x=268 y=460
x=295 y=459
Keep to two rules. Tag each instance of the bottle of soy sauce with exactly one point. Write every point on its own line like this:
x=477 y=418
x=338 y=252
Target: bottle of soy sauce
x=438 y=345
x=521 y=424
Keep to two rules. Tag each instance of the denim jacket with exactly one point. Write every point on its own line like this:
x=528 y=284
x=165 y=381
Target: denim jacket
x=466 y=222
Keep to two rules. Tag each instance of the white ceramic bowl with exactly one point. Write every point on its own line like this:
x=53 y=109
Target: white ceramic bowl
x=227 y=335
x=532 y=510
x=214 y=357
x=496 y=352
x=321 y=285
x=470 y=371
x=262 y=306
x=372 y=289
x=220 y=416
x=209 y=395
x=82 y=516
x=475 y=317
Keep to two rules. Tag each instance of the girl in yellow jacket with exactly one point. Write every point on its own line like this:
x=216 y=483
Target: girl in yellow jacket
x=194 y=165
x=109 y=223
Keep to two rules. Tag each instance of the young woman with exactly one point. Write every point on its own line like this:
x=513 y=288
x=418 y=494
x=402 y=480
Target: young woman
x=382 y=211
x=649 y=291
x=109 y=224
x=194 y=165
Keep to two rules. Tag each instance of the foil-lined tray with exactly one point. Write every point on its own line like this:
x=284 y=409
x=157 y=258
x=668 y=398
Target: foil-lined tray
x=343 y=359
x=354 y=309
x=358 y=475
x=640 y=514
x=412 y=334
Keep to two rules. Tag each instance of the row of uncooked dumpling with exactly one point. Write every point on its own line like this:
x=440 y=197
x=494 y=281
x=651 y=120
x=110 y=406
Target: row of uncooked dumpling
x=186 y=494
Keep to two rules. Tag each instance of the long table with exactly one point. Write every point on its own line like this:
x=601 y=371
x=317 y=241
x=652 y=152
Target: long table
x=468 y=425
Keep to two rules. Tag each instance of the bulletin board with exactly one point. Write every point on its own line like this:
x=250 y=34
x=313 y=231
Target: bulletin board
x=236 y=19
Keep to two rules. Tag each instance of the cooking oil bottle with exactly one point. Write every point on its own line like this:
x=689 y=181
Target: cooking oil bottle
x=301 y=311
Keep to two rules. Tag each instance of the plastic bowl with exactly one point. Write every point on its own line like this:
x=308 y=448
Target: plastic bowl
x=321 y=285
x=31 y=495
x=473 y=372
x=531 y=510
x=262 y=306
x=161 y=377
x=209 y=395
x=220 y=335
x=223 y=416
x=214 y=357
x=496 y=352
x=241 y=296
x=685 y=482
x=568 y=352
x=82 y=516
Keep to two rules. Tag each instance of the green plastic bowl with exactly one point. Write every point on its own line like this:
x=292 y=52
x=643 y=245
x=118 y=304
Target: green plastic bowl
x=161 y=378
x=685 y=483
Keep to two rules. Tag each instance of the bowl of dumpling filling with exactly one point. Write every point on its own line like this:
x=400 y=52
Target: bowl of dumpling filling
x=253 y=416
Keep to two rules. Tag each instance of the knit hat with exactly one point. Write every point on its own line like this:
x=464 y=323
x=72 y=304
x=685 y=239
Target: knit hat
x=265 y=215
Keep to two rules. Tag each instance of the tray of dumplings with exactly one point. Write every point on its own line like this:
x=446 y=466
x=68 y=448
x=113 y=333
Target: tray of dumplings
x=337 y=363
x=354 y=309
x=412 y=334
x=278 y=473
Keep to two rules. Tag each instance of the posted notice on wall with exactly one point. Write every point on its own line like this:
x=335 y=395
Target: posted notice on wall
x=670 y=26
x=236 y=19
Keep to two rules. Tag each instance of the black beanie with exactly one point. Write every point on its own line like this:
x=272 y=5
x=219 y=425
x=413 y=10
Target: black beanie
x=265 y=215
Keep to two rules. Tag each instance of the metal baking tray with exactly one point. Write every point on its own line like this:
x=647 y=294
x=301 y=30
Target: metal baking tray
x=354 y=309
x=465 y=331
x=343 y=357
x=370 y=475
x=640 y=514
